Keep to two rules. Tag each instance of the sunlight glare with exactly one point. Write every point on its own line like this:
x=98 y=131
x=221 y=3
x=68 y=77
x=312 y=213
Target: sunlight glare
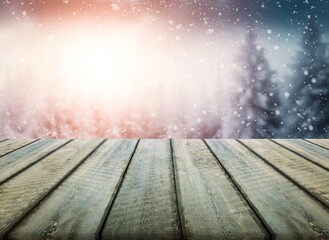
x=105 y=63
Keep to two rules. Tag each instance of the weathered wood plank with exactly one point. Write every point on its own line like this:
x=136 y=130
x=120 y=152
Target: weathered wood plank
x=75 y=209
x=21 y=194
x=305 y=174
x=321 y=142
x=2 y=140
x=11 y=145
x=21 y=159
x=211 y=206
x=313 y=153
x=145 y=206
x=287 y=210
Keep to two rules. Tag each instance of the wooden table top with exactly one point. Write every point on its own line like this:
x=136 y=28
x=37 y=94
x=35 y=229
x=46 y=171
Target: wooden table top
x=164 y=189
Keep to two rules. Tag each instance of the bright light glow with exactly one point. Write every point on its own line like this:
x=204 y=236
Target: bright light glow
x=107 y=63
x=113 y=80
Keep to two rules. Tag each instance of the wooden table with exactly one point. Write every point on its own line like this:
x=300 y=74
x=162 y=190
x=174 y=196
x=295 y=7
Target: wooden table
x=174 y=189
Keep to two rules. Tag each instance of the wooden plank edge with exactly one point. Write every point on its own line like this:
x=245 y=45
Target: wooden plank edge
x=101 y=226
x=301 y=155
x=30 y=208
x=33 y=163
x=318 y=145
x=178 y=194
x=265 y=226
x=313 y=195
x=19 y=148
x=2 y=140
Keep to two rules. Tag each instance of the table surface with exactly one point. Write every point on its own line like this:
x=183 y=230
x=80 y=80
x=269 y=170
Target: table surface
x=157 y=189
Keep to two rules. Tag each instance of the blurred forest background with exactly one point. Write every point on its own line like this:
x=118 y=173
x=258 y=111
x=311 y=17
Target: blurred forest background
x=178 y=69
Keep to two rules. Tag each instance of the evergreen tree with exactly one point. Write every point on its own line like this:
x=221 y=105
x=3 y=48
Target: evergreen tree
x=256 y=101
x=308 y=99
x=316 y=100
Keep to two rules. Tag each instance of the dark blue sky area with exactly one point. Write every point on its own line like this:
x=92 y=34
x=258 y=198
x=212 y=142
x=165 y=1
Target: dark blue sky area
x=283 y=16
x=284 y=13
x=279 y=13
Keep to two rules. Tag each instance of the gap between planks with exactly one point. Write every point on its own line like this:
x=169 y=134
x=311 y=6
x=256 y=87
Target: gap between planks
x=30 y=208
x=16 y=148
x=181 y=220
x=176 y=189
x=300 y=154
x=245 y=196
x=33 y=162
x=317 y=142
x=272 y=194
x=305 y=189
x=208 y=196
x=101 y=227
x=145 y=202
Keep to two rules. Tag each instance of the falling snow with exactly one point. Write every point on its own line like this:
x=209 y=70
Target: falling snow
x=185 y=69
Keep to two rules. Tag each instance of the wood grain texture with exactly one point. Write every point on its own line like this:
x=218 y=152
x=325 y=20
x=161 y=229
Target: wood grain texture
x=287 y=210
x=320 y=142
x=75 y=209
x=145 y=206
x=11 y=145
x=25 y=157
x=21 y=193
x=312 y=152
x=305 y=174
x=210 y=204
x=162 y=189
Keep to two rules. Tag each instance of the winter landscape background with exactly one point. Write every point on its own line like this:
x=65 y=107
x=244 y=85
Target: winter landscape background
x=155 y=69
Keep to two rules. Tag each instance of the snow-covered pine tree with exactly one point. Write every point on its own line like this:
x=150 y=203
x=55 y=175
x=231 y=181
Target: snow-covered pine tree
x=316 y=100
x=308 y=97
x=256 y=103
